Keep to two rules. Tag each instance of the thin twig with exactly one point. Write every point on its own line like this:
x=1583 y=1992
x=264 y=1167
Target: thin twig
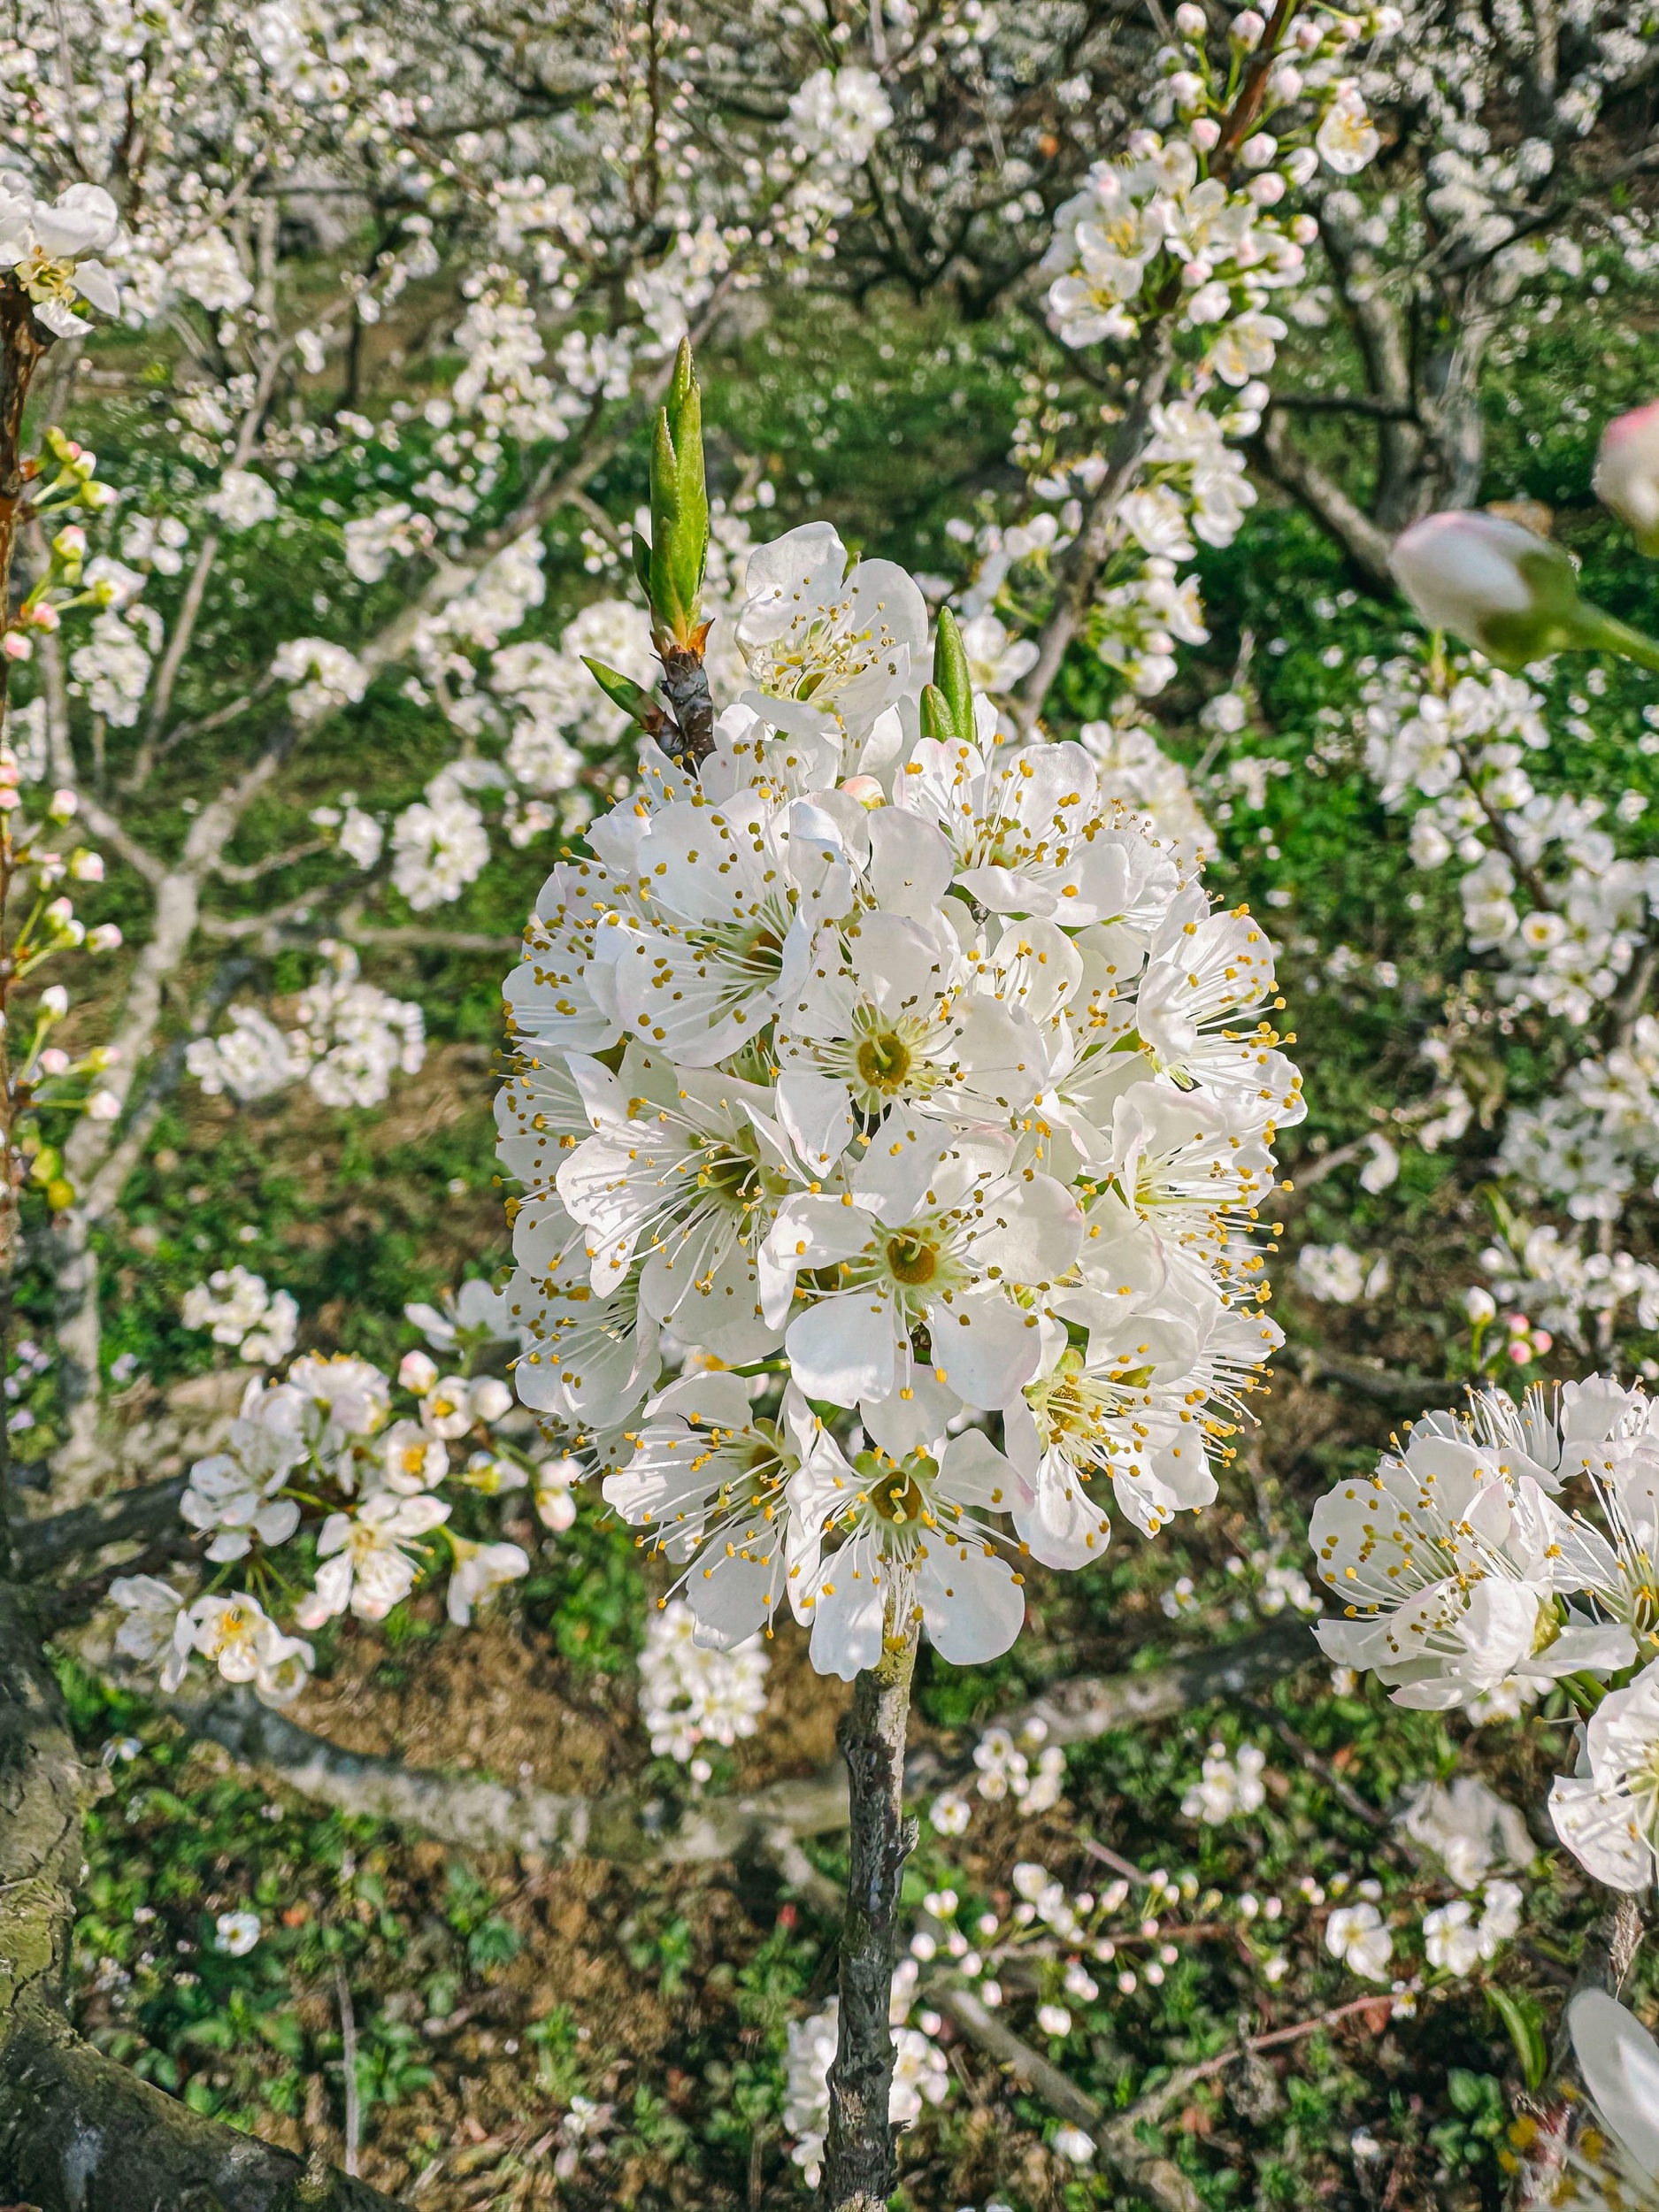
x=349 y=2063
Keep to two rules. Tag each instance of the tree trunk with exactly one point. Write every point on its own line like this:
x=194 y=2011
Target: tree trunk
x=858 y=2172
x=77 y=2133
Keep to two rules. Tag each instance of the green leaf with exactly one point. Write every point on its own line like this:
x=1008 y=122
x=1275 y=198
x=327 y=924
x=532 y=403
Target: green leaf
x=1523 y=2017
x=622 y=690
x=951 y=677
x=937 y=721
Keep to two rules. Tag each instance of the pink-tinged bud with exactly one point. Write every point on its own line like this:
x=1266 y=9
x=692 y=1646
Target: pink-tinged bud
x=1266 y=190
x=1142 y=144
x=1304 y=228
x=1520 y=1350
x=17 y=647
x=64 y=803
x=1205 y=134
x=53 y=1002
x=1627 y=473
x=69 y=544
x=44 y=616
x=1191 y=21
x=417 y=1372
x=1493 y=584
x=103 y=1106
x=10 y=799
x=105 y=937
x=1258 y=149
x=1542 y=1341
x=1284 y=86
x=54 y=1061
x=1306 y=33
x=1518 y=1324
x=86 y=867
x=1248 y=27
x=866 y=790
x=1187 y=88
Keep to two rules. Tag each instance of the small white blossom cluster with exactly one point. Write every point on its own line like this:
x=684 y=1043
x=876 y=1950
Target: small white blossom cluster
x=690 y=1696
x=1227 y=1786
x=913 y=1067
x=1459 y=739
x=1556 y=1282
x=1457 y=1939
x=351 y=1037
x=1458 y=1565
x=239 y=1309
x=328 y=1450
x=921 y=2074
x=1336 y=1275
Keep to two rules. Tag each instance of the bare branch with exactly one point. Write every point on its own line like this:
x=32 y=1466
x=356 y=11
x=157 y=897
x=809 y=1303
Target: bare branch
x=1365 y=545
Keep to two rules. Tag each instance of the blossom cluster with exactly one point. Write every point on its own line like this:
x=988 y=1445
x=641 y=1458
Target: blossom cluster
x=911 y=1074
x=690 y=1696
x=1544 y=883
x=349 y=1039
x=1516 y=1543
x=371 y=1466
x=238 y=1307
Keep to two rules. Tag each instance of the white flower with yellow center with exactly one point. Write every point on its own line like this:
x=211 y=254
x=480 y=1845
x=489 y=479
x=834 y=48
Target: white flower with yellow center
x=371 y=1557
x=896 y=1541
x=824 y=644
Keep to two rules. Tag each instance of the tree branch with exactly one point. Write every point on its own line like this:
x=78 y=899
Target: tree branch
x=1291 y=469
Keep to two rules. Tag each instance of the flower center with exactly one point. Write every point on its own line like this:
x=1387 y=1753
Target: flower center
x=884 y=1061
x=897 y=1491
x=911 y=1259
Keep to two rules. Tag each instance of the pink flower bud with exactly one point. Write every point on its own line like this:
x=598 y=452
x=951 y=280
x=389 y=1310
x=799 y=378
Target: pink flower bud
x=17 y=647
x=63 y=804
x=1248 y=27
x=103 y=1106
x=1627 y=472
x=1520 y=1350
x=1268 y=190
x=9 y=799
x=54 y=1061
x=1258 y=149
x=1285 y=85
x=1491 y=583
x=1142 y=144
x=1542 y=1341
x=1191 y=21
x=417 y=1372
x=105 y=938
x=1205 y=134
x=69 y=544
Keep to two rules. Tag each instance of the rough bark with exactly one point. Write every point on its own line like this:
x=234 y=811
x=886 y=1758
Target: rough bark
x=858 y=2165
x=77 y=2133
